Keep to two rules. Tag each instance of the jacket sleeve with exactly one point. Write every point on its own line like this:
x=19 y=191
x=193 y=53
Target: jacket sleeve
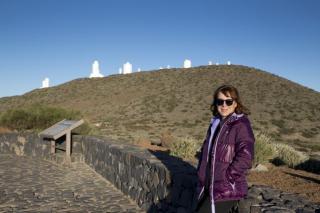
x=202 y=146
x=244 y=152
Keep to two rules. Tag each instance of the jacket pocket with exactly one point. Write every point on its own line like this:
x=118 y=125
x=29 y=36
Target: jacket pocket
x=232 y=184
x=220 y=171
x=226 y=152
x=224 y=189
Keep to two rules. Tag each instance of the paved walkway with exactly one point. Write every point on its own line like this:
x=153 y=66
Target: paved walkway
x=29 y=185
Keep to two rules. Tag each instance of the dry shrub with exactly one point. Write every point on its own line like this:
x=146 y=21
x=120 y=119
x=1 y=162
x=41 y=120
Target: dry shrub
x=263 y=148
x=167 y=139
x=266 y=150
x=185 y=148
x=289 y=156
x=141 y=141
x=144 y=142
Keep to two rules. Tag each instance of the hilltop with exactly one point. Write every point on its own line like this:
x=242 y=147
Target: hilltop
x=147 y=104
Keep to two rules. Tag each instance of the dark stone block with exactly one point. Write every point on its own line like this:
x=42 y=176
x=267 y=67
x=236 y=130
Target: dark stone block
x=304 y=210
x=269 y=195
x=132 y=192
x=155 y=180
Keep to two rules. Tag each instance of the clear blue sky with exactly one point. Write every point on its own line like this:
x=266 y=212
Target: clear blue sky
x=59 y=39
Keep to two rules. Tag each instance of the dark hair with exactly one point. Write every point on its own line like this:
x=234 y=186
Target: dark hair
x=229 y=91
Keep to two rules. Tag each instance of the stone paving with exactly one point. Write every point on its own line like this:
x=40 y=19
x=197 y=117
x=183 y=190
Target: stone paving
x=33 y=185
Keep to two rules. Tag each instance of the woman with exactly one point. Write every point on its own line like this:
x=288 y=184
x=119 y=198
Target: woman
x=226 y=154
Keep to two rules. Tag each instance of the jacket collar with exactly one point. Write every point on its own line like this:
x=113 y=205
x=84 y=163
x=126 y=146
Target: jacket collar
x=230 y=119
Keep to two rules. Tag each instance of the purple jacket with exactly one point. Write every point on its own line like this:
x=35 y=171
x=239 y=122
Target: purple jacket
x=231 y=156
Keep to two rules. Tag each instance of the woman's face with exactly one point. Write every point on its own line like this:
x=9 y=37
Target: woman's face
x=225 y=105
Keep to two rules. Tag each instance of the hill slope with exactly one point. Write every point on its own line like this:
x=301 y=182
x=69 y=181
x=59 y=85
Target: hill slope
x=147 y=104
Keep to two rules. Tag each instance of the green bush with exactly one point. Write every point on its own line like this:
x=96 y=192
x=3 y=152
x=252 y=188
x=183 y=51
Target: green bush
x=263 y=148
x=39 y=117
x=185 y=148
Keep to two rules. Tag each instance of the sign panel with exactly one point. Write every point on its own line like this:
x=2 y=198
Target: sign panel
x=59 y=129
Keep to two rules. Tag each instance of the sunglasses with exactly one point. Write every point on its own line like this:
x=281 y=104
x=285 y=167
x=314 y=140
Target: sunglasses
x=219 y=102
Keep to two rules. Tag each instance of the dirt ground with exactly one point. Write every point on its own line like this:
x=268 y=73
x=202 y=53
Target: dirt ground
x=4 y=130
x=289 y=180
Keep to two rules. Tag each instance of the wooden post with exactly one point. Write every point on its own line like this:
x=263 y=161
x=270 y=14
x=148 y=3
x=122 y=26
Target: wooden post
x=68 y=144
x=53 y=146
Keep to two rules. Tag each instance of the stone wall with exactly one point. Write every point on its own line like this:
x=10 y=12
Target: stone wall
x=24 y=144
x=28 y=144
x=156 y=181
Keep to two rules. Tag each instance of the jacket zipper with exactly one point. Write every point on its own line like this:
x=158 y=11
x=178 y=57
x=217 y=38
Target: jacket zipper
x=212 y=166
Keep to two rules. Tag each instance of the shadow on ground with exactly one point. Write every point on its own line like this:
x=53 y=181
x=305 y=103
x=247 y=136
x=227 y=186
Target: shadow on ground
x=181 y=191
x=311 y=165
